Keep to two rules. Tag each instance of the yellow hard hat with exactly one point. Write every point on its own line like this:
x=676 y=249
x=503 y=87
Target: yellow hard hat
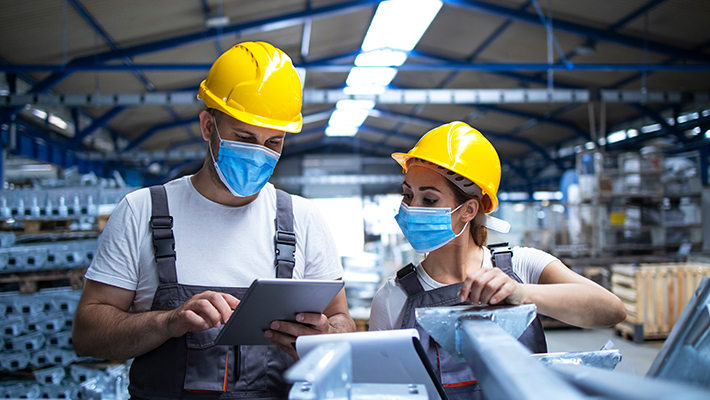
x=255 y=83
x=462 y=150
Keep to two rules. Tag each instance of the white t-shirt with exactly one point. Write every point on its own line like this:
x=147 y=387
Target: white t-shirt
x=216 y=245
x=389 y=301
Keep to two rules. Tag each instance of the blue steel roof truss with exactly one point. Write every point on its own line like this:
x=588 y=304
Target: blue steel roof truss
x=517 y=15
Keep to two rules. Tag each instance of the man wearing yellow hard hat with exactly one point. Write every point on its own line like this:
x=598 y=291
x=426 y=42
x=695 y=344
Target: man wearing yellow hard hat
x=451 y=183
x=173 y=259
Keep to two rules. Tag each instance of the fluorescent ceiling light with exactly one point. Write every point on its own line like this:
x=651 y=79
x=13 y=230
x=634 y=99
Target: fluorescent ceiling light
x=381 y=58
x=371 y=75
x=349 y=117
x=341 y=130
x=616 y=137
x=58 y=122
x=364 y=89
x=217 y=21
x=39 y=113
x=632 y=133
x=589 y=145
x=355 y=104
x=706 y=113
x=696 y=131
x=547 y=196
x=518 y=196
x=399 y=24
x=651 y=128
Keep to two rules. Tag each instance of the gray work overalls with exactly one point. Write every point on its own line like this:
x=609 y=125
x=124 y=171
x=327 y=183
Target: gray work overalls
x=190 y=366
x=456 y=377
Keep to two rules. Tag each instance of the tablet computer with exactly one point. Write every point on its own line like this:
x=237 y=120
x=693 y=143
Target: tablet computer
x=269 y=300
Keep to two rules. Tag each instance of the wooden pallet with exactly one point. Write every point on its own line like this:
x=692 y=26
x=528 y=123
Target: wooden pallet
x=654 y=296
x=28 y=281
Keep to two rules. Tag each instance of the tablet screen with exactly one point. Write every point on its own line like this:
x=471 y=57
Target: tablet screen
x=269 y=300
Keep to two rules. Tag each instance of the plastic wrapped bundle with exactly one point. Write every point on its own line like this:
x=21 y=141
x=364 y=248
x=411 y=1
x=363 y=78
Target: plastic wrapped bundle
x=15 y=361
x=53 y=376
x=30 y=341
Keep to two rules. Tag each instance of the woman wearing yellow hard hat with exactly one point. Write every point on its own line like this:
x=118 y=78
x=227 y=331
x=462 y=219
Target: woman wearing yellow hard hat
x=451 y=183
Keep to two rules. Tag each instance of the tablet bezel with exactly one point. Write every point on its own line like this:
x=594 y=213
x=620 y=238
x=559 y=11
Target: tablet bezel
x=269 y=300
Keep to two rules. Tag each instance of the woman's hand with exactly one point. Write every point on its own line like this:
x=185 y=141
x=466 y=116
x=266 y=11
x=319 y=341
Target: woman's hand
x=492 y=286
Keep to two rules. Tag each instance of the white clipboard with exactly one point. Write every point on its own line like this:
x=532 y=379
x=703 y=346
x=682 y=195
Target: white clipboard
x=394 y=356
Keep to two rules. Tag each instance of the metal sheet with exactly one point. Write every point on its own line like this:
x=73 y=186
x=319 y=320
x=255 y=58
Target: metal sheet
x=443 y=323
x=504 y=367
x=606 y=359
x=605 y=384
x=685 y=355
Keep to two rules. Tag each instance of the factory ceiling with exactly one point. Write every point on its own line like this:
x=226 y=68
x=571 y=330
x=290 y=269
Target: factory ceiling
x=112 y=84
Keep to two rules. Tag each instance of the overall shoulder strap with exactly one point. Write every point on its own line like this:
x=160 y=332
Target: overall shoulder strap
x=285 y=237
x=502 y=256
x=161 y=224
x=407 y=277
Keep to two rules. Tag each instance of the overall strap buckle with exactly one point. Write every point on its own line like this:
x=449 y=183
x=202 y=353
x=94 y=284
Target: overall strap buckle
x=163 y=238
x=285 y=246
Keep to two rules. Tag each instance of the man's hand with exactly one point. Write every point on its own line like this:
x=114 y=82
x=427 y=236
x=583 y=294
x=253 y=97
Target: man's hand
x=284 y=333
x=203 y=311
x=334 y=319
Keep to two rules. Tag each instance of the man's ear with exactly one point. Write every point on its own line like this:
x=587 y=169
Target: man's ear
x=470 y=210
x=206 y=124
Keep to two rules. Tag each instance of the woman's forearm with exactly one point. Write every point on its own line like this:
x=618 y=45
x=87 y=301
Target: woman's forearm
x=578 y=304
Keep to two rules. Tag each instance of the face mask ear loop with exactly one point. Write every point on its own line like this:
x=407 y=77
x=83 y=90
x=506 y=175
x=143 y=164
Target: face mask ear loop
x=465 y=225
x=462 y=230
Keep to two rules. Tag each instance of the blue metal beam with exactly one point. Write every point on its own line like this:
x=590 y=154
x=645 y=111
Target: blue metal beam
x=210 y=34
x=142 y=78
x=578 y=29
x=95 y=125
x=640 y=74
x=354 y=142
x=638 y=12
x=491 y=135
x=703 y=122
x=510 y=75
x=206 y=12
x=328 y=66
x=38 y=145
x=653 y=115
x=168 y=125
x=546 y=119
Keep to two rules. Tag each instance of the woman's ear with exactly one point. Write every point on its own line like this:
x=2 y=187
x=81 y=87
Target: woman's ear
x=206 y=124
x=470 y=209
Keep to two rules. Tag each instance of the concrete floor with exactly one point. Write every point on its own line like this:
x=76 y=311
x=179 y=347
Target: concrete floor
x=636 y=358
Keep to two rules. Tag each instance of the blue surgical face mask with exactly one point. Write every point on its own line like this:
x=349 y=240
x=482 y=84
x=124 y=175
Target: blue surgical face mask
x=243 y=167
x=427 y=228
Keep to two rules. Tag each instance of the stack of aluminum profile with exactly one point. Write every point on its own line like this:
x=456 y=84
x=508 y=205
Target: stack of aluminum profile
x=36 y=334
x=36 y=328
x=71 y=383
x=59 y=203
x=43 y=256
